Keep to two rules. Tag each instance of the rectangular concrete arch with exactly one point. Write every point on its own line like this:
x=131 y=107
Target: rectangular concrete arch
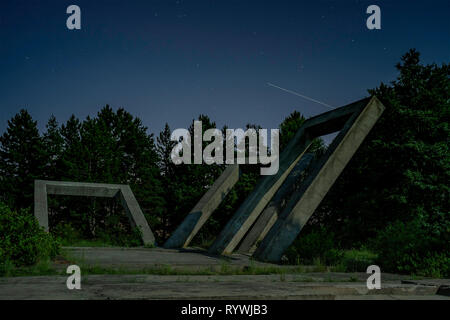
x=303 y=204
x=123 y=193
x=186 y=231
x=249 y=211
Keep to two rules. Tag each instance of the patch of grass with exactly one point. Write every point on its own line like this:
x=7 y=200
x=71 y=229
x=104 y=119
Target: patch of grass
x=87 y=243
x=69 y=236
x=338 y=268
x=224 y=268
x=358 y=260
x=41 y=268
x=319 y=266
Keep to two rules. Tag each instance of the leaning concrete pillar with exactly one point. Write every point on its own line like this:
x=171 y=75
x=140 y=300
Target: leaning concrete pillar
x=271 y=212
x=249 y=211
x=40 y=203
x=135 y=214
x=186 y=231
x=302 y=205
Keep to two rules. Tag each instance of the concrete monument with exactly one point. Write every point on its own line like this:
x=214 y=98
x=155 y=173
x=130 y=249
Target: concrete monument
x=123 y=193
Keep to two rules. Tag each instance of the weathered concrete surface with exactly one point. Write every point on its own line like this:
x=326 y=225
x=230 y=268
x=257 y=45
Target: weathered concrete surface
x=249 y=211
x=186 y=231
x=40 y=203
x=135 y=214
x=314 y=188
x=144 y=258
x=208 y=287
x=122 y=192
x=443 y=284
x=270 y=214
x=140 y=257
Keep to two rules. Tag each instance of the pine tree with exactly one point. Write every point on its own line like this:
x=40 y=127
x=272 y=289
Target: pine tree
x=73 y=166
x=173 y=188
x=21 y=160
x=53 y=146
x=395 y=188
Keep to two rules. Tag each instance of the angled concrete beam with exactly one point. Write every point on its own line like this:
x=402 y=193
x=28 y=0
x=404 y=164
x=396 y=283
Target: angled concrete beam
x=123 y=192
x=303 y=204
x=135 y=214
x=82 y=189
x=186 y=231
x=270 y=214
x=249 y=211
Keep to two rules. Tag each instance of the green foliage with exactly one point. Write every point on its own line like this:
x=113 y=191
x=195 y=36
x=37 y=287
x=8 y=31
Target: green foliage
x=318 y=244
x=319 y=247
x=184 y=184
x=399 y=173
x=21 y=160
x=289 y=127
x=67 y=234
x=357 y=260
x=113 y=147
x=114 y=235
x=23 y=242
x=408 y=247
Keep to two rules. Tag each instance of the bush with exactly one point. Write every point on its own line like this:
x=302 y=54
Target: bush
x=357 y=260
x=318 y=244
x=66 y=233
x=22 y=241
x=116 y=235
x=413 y=247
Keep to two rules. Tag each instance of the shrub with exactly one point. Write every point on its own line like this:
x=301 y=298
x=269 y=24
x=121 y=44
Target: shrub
x=317 y=244
x=357 y=260
x=22 y=241
x=116 y=235
x=413 y=247
x=66 y=233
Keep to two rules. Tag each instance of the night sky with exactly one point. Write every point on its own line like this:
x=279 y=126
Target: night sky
x=169 y=61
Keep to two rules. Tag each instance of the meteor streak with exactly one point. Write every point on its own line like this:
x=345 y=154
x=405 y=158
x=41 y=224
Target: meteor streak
x=300 y=95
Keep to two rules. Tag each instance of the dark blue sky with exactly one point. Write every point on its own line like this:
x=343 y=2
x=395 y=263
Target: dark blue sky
x=169 y=61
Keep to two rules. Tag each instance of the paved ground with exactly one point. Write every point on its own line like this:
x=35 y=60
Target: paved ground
x=139 y=258
x=305 y=285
